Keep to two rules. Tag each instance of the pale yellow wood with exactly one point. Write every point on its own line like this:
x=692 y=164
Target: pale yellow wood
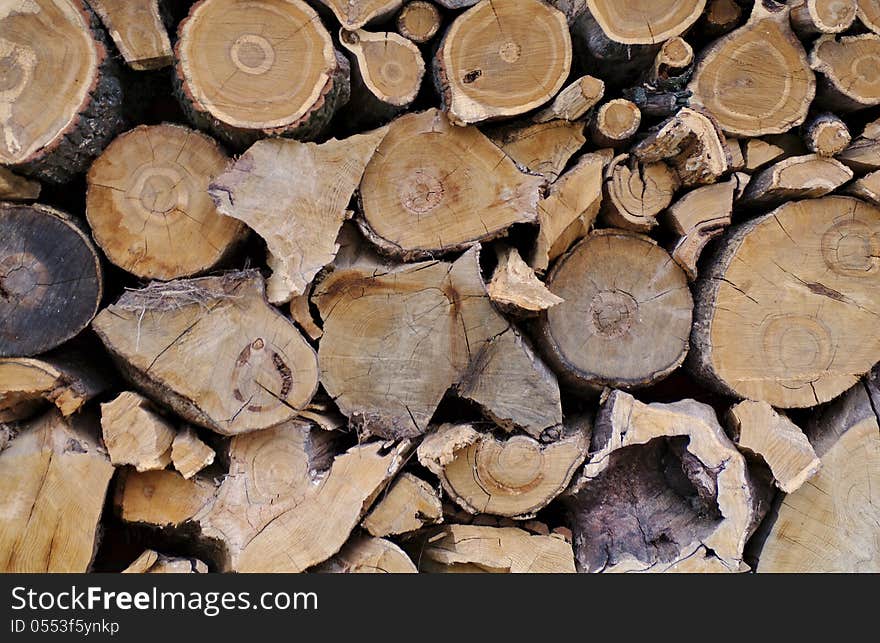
x=142 y=563
x=759 y=153
x=419 y=21
x=137 y=30
x=134 y=433
x=354 y=14
x=160 y=498
x=635 y=193
x=574 y=101
x=390 y=65
x=409 y=504
x=366 y=555
x=848 y=65
x=152 y=562
x=514 y=286
x=797 y=177
x=634 y=22
x=616 y=122
x=541 y=148
x=866 y=188
x=810 y=17
x=189 y=454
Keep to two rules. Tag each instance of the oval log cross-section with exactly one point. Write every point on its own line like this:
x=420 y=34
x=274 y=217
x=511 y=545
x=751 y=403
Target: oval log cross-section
x=636 y=22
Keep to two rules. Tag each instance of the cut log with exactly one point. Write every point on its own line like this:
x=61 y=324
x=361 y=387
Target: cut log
x=643 y=503
x=502 y=58
x=798 y=177
x=419 y=21
x=637 y=307
x=152 y=562
x=53 y=479
x=864 y=153
x=50 y=279
x=60 y=101
x=849 y=69
x=570 y=209
x=759 y=430
x=866 y=188
x=148 y=207
x=541 y=148
x=635 y=193
x=433 y=188
x=354 y=14
x=17 y=188
x=409 y=504
x=161 y=498
x=574 y=101
x=811 y=17
x=172 y=340
x=515 y=288
x=827 y=135
x=674 y=60
x=66 y=378
x=632 y=22
x=295 y=196
x=690 y=142
x=515 y=477
x=721 y=17
x=618 y=64
x=134 y=433
x=616 y=123
x=137 y=30
x=830 y=524
x=499 y=550
x=365 y=555
x=189 y=454
x=386 y=75
x=868 y=12
x=785 y=311
x=234 y=65
x=756 y=80
x=759 y=153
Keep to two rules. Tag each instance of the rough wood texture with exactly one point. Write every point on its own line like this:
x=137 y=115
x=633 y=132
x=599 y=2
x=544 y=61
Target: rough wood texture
x=574 y=101
x=159 y=498
x=137 y=30
x=797 y=177
x=848 y=68
x=515 y=288
x=419 y=21
x=635 y=192
x=827 y=135
x=134 y=433
x=810 y=17
x=51 y=282
x=409 y=504
x=759 y=153
x=152 y=562
x=189 y=454
x=365 y=555
x=615 y=123
x=354 y=14
x=866 y=188
x=631 y=22
x=784 y=312
x=541 y=148
x=863 y=155
x=17 y=188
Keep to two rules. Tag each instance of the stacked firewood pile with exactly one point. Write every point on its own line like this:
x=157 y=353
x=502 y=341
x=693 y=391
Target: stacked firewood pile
x=387 y=286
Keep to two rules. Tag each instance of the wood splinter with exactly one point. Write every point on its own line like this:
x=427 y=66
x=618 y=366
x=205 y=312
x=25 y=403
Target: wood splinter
x=516 y=289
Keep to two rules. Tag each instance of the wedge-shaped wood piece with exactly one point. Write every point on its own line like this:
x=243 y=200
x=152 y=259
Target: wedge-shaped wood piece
x=635 y=192
x=366 y=555
x=60 y=102
x=758 y=429
x=502 y=58
x=574 y=101
x=51 y=281
x=419 y=21
x=137 y=30
x=189 y=454
x=432 y=188
x=848 y=66
x=515 y=288
x=631 y=22
x=17 y=188
x=635 y=508
x=213 y=350
x=863 y=155
x=152 y=562
x=354 y=14
x=148 y=207
x=626 y=315
x=797 y=177
x=830 y=524
x=134 y=433
x=784 y=312
x=811 y=17
x=756 y=80
x=161 y=498
x=295 y=196
x=500 y=550
x=540 y=148
x=53 y=479
x=827 y=135
x=409 y=504
x=759 y=153
x=866 y=188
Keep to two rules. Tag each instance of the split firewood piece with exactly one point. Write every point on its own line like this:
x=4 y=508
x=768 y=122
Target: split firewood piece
x=134 y=433
x=759 y=153
x=301 y=313
x=419 y=21
x=642 y=503
x=515 y=477
x=189 y=454
x=797 y=289
x=60 y=102
x=142 y=563
x=53 y=479
x=697 y=218
x=737 y=161
x=863 y=155
x=811 y=17
x=295 y=196
x=631 y=22
x=137 y=30
x=51 y=280
x=847 y=65
x=386 y=76
x=500 y=550
x=433 y=188
x=366 y=555
x=868 y=12
x=674 y=60
x=502 y=58
x=409 y=504
x=739 y=73
x=636 y=192
x=17 y=188
x=830 y=524
x=234 y=62
x=541 y=148
x=798 y=177
x=721 y=17
x=152 y=562
x=570 y=209
x=692 y=143
x=148 y=207
x=354 y=14
x=174 y=340
x=866 y=188
x=827 y=135
x=65 y=378
x=160 y=498
x=515 y=288
x=574 y=101
x=616 y=123
x=626 y=316
x=757 y=429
